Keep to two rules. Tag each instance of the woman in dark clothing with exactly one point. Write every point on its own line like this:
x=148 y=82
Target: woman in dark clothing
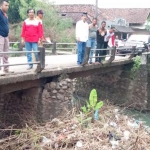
x=100 y=42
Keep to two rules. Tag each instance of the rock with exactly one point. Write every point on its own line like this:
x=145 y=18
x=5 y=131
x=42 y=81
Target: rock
x=57 y=87
x=69 y=85
x=64 y=82
x=68 y=80
x=60 y=97
x=45 y=94
x=47 y=86
x=52 y=85
x=66 y=98
x=53 y=97
x=61 y=91
x=54 y=91
x=74 y=83
x=64 y=87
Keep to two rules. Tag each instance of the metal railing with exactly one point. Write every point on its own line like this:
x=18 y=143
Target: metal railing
x=41 y=54
x=52 y=47
x=113 y=53
x=40 y=63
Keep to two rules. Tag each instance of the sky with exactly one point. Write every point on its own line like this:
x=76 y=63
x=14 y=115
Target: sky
x=109 y=3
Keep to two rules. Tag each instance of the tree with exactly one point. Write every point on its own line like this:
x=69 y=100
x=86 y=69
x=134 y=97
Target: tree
x=17 y=9
x=148 y=24
x=56 y=27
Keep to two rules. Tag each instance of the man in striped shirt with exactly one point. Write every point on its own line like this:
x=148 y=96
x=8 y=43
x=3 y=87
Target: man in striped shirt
x=31 y=35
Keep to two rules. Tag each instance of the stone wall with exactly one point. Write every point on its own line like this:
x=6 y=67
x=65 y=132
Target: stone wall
x=36 y=104
x=56 y=98
x=53 y=97
x=117 y=87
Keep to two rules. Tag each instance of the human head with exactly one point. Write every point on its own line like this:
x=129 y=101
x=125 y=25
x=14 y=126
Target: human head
x=103 y=24
x=40 y=14
x=94 y=21
x=84 y=16
x=112 y=29
x=31 y=13
x=4 y=5
x=117 y=37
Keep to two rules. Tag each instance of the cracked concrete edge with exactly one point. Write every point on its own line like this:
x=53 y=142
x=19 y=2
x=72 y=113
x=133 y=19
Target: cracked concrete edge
x=14 y=78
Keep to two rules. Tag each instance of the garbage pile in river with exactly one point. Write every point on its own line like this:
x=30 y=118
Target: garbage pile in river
x=76 y=132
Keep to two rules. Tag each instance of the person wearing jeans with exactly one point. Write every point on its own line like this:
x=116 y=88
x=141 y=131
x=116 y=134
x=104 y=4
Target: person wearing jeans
x=91 y=42
x=31 y=35
x=29 y=46
x=81 y=37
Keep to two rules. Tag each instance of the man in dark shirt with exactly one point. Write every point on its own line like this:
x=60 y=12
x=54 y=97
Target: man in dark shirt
x=4 y=30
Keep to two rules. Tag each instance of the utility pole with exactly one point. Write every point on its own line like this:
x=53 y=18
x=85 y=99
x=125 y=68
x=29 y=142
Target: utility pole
x=96 y=6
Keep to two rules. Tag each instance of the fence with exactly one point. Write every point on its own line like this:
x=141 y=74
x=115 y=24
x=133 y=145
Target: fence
x=51 y=47
x=40 y=63
x=41 y=53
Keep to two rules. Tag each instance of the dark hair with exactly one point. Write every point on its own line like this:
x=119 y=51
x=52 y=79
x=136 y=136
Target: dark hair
x=112 y=27
x=94 y=19
x=30 y=9
x=84 y=14
x=1 y=1
x=40 y=12
x=103 y=22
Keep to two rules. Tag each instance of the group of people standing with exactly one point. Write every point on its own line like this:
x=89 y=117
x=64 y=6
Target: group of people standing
x=88 y=36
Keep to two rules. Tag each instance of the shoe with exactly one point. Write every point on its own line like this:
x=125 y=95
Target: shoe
x=8 y=71
x=2 y=73
x=30 y=67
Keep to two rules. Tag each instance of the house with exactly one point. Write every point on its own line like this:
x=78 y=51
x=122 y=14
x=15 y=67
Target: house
x=135 y=17
x=126 y=20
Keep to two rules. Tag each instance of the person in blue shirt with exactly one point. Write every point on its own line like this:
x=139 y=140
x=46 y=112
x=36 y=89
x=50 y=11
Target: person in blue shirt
x=4 y=31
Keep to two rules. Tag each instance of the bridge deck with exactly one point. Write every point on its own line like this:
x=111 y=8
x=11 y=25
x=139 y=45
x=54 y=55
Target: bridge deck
x=55 y=65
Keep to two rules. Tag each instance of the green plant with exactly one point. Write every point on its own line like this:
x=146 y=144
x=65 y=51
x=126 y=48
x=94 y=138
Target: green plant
x=83 y=120
x=92 y=105
x=136 y=66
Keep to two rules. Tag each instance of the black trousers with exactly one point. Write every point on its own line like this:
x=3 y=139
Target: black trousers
x=100 y=45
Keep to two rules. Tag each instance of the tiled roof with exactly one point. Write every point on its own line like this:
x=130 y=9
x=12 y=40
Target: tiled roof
x=75 y=16
x=132 y=15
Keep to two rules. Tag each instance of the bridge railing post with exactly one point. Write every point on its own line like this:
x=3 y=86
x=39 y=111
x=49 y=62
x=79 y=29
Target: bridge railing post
x=54 y=48
x=112 y=54
x=41 y=57
x=133 y=52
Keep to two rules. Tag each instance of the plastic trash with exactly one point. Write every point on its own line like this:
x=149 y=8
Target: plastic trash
x=46 y=141
x=134 y=125
x=74 y=126
x=114 y=144
x=96 y=115
x=113 y=124
x=112 y=136
x=126 y=135
x=146 y=129
x=79 y=144
x=116 y=110
x=117 y=118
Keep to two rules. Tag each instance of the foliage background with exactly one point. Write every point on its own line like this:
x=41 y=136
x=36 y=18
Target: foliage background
x=55 y=26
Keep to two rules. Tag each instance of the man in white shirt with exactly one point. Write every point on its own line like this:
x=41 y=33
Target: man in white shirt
x=82 y=31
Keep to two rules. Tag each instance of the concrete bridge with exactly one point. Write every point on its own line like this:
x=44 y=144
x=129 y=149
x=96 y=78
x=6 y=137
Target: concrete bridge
x=27 y=95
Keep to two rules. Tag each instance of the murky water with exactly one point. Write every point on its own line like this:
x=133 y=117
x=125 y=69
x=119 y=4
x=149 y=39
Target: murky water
x=139 y=116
